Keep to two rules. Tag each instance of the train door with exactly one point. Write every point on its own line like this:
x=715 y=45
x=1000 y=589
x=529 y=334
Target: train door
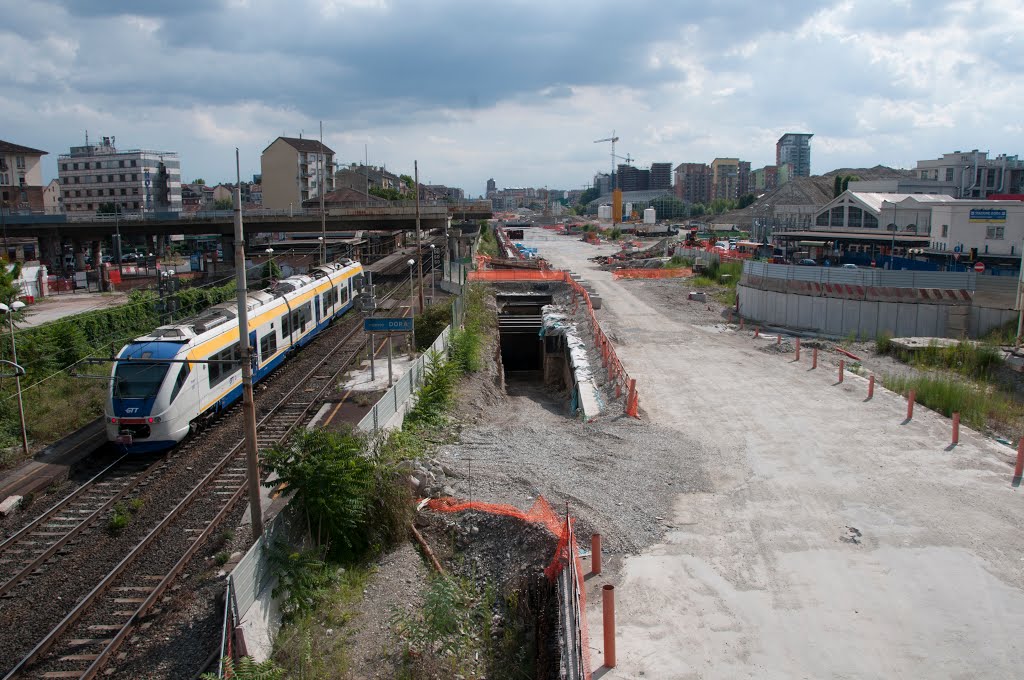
x=316 y=309
x=254 y=348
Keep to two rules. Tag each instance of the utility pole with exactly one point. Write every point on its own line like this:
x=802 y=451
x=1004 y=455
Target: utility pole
x=419 y=258
x=322 y=187
x=248 y=404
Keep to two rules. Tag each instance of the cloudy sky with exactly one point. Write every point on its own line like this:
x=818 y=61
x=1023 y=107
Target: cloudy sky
x=516 y=90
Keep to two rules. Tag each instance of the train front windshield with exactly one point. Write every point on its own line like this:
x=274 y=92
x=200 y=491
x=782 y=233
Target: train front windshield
x=138 y=380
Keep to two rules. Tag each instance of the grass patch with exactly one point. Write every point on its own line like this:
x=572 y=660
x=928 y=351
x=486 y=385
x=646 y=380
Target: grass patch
x=121 y=516
x=978 y=405
x=312 y=643
x=973 y=360
x=883 y=343
x=488 y=244
x=678 y=262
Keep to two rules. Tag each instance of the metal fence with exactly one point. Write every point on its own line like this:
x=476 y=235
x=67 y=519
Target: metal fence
x=875 y=277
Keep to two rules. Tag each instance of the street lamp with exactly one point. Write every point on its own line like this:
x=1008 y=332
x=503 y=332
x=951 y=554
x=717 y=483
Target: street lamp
x=323 y=249
x=432 y=282
x=412 y=307
x=10 y=311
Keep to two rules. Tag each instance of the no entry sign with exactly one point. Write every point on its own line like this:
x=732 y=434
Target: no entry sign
x=979 y=267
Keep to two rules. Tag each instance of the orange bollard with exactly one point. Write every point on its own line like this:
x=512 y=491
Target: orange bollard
x=798 y=349
x=814 y=358
x=757 y=332
x=778 y=339
x=741 y=323
x=1018 y=471
x=910 y=404
x=956 y=429
x=871 y=387
x=842 y=367
x=595 y=554
x=608 y=612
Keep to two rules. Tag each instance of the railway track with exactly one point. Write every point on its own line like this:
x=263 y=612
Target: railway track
x=84 y=640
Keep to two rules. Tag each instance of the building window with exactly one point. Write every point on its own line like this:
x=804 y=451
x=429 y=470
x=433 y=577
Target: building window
x=120 y=164
x=994 y=233
x=19 y=162
x=64 y=167
x=133 y=164
x=124 y=192
x=136 y=205
x=945 y=230
x=949 y=174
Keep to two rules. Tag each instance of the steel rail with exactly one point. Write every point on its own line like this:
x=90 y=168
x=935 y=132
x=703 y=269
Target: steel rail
x=47 y=642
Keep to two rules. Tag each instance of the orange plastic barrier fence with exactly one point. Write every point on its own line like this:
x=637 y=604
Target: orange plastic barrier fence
x=566 y=550
x=680 y=273
x=516 y=275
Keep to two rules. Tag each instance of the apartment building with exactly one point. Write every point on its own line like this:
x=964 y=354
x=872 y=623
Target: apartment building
x=693 y=182
x=795 y=148
x=661 y=176
x=974 y=174
x=53 y=198
x=294 y=170
x=725 y=178
x=21 y=178
x=135 y=180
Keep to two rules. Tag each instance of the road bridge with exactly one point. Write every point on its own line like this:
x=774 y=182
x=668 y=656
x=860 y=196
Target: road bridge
x=53 y=231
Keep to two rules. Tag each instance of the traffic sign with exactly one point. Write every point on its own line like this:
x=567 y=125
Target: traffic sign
x=383 y=324
x=956 y=256
x=979 y=267
x=958 y=249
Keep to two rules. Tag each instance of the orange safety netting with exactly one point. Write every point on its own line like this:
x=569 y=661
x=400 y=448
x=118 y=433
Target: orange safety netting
x=516 y=275
x=680 y=273
x=567 y=550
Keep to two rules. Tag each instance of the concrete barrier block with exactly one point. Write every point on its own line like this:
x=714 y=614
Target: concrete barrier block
x=697 y=296
x=595 y=301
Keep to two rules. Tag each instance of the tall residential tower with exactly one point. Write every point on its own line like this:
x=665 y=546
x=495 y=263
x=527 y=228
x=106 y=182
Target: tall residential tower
x=795 y=148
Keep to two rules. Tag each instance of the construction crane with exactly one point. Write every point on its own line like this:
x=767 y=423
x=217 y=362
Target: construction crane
x=611 y=139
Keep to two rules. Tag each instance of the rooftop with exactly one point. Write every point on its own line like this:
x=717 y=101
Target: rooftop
x=11 y=147
x=304 y=145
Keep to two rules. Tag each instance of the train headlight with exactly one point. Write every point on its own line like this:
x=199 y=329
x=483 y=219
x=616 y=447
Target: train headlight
x=113 y=421
x=153 y=420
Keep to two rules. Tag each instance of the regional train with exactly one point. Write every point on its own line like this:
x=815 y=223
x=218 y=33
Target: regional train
x=158 y=389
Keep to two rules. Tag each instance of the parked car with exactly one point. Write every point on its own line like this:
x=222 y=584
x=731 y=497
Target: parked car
x=807 y=262
x=849 y=265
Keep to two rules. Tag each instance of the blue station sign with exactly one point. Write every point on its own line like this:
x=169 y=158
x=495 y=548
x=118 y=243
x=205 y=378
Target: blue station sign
x=383 y=324
x=987 y=215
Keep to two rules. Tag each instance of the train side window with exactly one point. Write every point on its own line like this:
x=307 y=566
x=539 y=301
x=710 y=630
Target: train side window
x=286 y=325
x=180 y=382
x=343 y=291
x=268 y=345
x=316 y=302
x=226 y=362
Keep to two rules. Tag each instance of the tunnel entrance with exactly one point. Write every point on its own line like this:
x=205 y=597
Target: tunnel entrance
x=519 y=324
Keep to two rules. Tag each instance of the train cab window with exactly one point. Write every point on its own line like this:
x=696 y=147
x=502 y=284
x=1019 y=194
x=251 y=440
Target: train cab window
x=268 y=345
x=180 y=382
x=138 y=380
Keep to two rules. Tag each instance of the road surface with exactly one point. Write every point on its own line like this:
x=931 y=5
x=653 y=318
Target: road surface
x=838 y=542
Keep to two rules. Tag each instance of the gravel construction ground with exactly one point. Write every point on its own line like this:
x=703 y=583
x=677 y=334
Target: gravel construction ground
x=832 y=538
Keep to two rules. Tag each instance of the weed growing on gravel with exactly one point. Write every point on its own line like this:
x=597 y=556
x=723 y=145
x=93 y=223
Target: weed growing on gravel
x=977 y=405
x=312 y=645
x=883 y=343
x=966 y=358
x=247 y=669
x=121 y=516
x=679 y=262
x=222 y=558
x=439 y=637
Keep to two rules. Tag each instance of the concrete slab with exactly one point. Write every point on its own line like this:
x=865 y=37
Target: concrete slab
x=837 y=541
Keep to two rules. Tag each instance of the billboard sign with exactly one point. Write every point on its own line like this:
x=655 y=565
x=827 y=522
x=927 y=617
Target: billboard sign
x=987 y=215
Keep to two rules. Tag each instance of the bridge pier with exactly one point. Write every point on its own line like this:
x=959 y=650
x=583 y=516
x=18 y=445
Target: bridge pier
x=227 y=245
x=76 y=244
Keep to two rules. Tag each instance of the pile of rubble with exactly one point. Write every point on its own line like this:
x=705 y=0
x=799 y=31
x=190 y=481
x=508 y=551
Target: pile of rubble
x=427 y=478
x=634 y=256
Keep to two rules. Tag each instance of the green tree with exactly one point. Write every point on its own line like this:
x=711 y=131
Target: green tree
x=745 y=200
x=837 y=186
x=331 y=482
x=224 y=204
x=848 y=179
x=271 y=272
x=199 y=180
x=588 y=195
x=387 y=194
x=408 y=180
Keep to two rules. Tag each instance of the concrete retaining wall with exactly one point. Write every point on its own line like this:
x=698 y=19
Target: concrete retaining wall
x=868 y=318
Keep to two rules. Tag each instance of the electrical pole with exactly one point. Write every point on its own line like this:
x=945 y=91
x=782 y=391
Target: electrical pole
x=419 y=258
x=248 y=404
x=322 y=187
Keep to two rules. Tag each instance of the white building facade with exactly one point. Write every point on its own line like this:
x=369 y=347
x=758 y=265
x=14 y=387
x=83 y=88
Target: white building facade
x=974 y=174
x=135 y=180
